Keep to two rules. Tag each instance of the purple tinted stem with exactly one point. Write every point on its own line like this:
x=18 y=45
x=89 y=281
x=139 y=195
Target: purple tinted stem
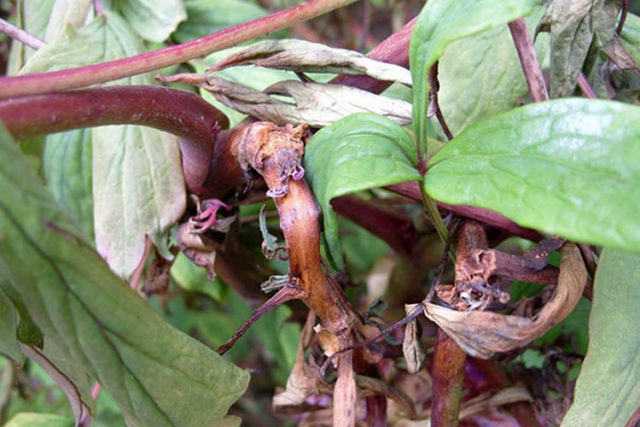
x=179 y=112
x=114 y=70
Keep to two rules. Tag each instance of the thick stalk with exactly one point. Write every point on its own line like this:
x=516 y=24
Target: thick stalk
x=150 y=61
x=182 y=113
x=448 y=375
x=528 y=60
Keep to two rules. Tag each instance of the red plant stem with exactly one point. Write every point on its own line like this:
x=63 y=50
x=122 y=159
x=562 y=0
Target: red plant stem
x=392 y=227
x=448 y=375
x=182 y=113
x=529 y=60
x=393 y=50
x=114 y=70
x=585 y=87
x=623 y=16
x=435 y=87
x=20 y=35
x=494 y=219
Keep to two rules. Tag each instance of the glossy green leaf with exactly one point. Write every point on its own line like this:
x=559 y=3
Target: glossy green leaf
x=8 y=327
x=442 y=22
x=486 y=69
x=568 y=167
x=158 y=375
x=357 y=153
x=606 y=391
x=67 y=161
x=138 y=187
x=31 y=419
x=153 y=20
x=208 y=16
x=630 y=36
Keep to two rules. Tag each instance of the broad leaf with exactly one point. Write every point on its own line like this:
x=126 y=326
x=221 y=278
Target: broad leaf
x=486 y=69
x=442 y=22
x=152 y=20
x=209 y=16
x=630 y=36
x=65 y=12
x=158 y=375
x=8 y=327
x=606 y=390
x=357 y=153
x=568 y=167
x=67 y=163
x=138 y=187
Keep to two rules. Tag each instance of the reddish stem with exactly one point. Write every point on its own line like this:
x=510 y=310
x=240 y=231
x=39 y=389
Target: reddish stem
x=448 y=375
x=179 y=112
x=433 y=99
x=623 y=16
x=150 y=61
x=585 y=87
x=529 y=60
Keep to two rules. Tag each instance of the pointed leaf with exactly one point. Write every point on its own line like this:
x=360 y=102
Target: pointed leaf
x=158 y=375
x=357 y=153
x=568 y=167
x=138 y=187
x=152 y=20
x=442 y=22
x=606 y=390
x=486 y=69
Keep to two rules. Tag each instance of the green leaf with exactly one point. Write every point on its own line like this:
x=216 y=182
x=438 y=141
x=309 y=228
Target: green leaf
x=153 y=20
x=357 y=153
x=33 y=17
x=158 y=375
x=486 y=69
x=30 y=419
x=209 y=16
x=67 y=163
x=138 y=187
x=568 y=167
x=193 y=278
x=8 y=327
x=630 y=36
x=442 y=22
x=572 y=25
x=606 y=391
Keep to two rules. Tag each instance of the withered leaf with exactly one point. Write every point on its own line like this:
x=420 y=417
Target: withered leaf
x=304 y=56
x=481 y=334
x=316 y=104
x=412 y=349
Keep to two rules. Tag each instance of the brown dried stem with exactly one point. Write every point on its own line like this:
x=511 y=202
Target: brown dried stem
x=448 y=375
x=529 y=60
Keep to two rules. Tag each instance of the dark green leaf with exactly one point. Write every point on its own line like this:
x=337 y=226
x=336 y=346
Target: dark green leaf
x=606 y=390
x=568 y=167
x=152 y=20
x=208 y=16
x=157 y=375
x=67 y=169
x=442 y=22
x=357 y=153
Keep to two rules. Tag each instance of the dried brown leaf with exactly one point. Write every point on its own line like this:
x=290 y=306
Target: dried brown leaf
x=412 y=349
x=481 y=334
x=304 y=56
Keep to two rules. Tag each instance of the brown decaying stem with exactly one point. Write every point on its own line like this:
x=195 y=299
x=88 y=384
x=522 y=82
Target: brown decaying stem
x=20 y=35
x=528 y=59
x=150 y=61
x=448 y=375
x=179 y=112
